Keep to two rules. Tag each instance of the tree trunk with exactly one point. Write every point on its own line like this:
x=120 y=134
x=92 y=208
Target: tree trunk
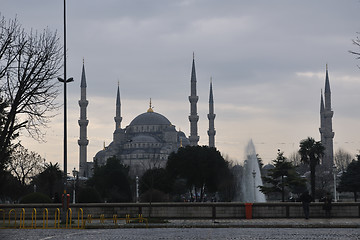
x=196 y=194
x=355 y=196
x=312 y=180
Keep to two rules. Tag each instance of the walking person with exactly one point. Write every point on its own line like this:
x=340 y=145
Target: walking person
x=327 y=205
x=305 y=198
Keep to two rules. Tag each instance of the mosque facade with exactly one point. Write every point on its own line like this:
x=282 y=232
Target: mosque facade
x=149 y=138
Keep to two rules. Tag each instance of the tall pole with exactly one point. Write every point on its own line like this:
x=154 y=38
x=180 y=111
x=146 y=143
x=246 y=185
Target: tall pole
x=334 y=173
x=65 y=119
x=75 y=173
x=137 y=189
x=65 y=80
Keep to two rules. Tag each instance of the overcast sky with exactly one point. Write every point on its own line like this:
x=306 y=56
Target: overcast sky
x=266 y=58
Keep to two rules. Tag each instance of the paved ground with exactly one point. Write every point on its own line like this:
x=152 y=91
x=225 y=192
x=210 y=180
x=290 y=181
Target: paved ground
x=183 y=233
x=338 y=229
x=267 y=223
x=219 y=223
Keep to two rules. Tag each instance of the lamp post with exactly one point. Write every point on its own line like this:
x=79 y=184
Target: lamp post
x=75 y=173
x=334 y=173
x=137 y=189
x=254 y=175
x=282 y=189
x=65 y=81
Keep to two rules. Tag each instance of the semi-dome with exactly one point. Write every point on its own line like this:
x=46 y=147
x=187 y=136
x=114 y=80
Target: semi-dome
x=150 y=118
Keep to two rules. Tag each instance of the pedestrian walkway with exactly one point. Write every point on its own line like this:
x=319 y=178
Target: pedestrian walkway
x=238 y=223
x=271 y=223
x=201 y=223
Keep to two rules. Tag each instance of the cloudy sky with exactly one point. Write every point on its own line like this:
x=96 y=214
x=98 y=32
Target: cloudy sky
x=266 y=58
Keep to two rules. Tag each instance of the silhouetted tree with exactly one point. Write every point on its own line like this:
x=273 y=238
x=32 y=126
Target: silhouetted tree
x=111 y=181
x=202 y=167
x=25 y=164
x=12 y=189
x=156 y=178
x=311 y=152
x=29 y=65
x=4 y=157
x=283 y=177
x=49 y=181
x=350 y=179
x=342 y=159
x=6 y=153
x=88 y=195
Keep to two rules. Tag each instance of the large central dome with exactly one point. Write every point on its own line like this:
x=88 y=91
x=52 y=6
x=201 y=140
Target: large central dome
x=150 y=118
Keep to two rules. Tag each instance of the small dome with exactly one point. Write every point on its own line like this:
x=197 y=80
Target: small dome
x=150 y=118
x=100 y=155
x=181 y=134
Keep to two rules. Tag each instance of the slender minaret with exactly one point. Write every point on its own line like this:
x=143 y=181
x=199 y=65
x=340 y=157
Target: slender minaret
x=193 y=118
x=211 y=117
x=326 y=131
x=83 y=122
x=118 y=117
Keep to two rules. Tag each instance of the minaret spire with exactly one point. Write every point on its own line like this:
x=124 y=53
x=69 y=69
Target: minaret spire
x=327 y=91
x=326 y=131
x=211 y=117
x=83 y=122
x=118 y=117
x=193 y=99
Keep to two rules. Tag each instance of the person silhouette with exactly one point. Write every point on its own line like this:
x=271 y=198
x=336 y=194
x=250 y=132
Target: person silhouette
x=305 y=198
x=327 y=205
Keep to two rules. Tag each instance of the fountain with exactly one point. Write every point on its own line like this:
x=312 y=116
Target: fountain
x=251 y=177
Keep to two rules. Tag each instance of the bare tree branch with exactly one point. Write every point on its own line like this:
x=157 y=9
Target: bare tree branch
x=24 y=165
x=29 y=66
x=356 y=42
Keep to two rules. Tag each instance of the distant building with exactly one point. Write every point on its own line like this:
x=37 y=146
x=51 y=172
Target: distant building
x=326 y=131
x=149 y=138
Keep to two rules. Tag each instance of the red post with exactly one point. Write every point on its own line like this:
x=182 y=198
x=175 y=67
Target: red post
x=248 y=210
x=67 y=200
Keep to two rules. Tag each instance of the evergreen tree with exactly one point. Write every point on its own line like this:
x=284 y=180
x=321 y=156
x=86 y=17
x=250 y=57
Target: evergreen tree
x=203 y=168
x=282 y=178
x=156 y=178
x=350 y=179
x=111 y=181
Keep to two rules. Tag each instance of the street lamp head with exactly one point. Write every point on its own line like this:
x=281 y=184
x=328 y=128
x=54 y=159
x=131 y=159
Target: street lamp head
x=70 y=80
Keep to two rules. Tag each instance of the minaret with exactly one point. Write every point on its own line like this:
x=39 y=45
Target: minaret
x=322 y=119
x=326 y=131
x=118 y=117
x=83 y=122
x=211 y=117
x=193 y=118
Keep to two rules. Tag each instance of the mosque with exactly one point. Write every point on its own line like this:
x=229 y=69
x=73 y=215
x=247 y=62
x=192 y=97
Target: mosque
x=149 y=138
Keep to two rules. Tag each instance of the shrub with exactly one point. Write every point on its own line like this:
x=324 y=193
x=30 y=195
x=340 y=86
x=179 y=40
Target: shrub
x=88 y=195
x=35 y=197
x=154 y=195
